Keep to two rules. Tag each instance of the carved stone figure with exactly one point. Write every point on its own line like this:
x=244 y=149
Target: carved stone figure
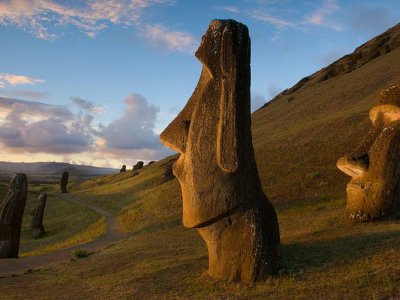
x=11 y=212
x=64 y=182
x=37 y=216
x=374 y=190
x=221 y=190
x=123 y=169
x=138 y=166
x=151 y=162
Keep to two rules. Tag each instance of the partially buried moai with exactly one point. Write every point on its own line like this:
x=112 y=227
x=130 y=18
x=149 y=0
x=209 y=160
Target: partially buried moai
x=37 y=216
x=374 y=190
x=123 y=169
x=138 y=166
x=221 y=190
x=64 y=182
x=11 y=212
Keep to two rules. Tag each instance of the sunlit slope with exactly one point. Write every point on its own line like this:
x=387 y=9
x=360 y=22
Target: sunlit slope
x=299 y=136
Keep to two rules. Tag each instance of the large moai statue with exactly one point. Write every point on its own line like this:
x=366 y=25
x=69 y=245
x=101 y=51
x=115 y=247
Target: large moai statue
x=221 y=190
x=123 y=169
x=64 y=182
x=37 y=216
x=374 y=190
x=11 y=212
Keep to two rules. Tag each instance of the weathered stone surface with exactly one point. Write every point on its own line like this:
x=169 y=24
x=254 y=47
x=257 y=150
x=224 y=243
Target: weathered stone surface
x=374 y=190
x=123 y=169
x=64 y=182
x=138 y=166
x=11 y=212
x=37 y=216
x=221 y=190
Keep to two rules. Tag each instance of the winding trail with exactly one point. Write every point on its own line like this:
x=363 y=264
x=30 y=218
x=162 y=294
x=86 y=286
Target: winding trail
x=11 y=266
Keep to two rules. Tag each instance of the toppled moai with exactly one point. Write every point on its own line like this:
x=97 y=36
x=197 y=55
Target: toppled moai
x=123 y=169
x=138 y=166
x=221 y=190
x=374 y=190
x=37 y=216
x=11 y=213
x=64 y=182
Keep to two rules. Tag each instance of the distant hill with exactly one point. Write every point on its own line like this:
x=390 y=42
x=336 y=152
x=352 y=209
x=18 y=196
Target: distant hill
x=53 y=168
x=300 y=134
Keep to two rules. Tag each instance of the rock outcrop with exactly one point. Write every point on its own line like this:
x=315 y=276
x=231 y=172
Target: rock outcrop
x=11 y=213
x=37 y=216
x=374 y=190
x=221 y=190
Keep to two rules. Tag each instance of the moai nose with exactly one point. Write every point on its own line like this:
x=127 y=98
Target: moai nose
x=175 y=135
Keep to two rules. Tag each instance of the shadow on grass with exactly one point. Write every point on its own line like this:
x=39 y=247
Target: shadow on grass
x=299 y=257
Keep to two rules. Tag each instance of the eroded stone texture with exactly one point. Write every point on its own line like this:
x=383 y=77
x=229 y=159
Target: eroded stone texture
x=138 y=166
x=64 y=182
x=221 y=190
x=123 y=169
x=11 y=212
x=374 y=190
x=37 y=216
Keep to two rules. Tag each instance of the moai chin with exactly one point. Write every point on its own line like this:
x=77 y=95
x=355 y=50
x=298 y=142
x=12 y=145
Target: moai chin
x=221 y=190
x=37 y=216
x=374 y=190
x=64 y=182
x=11 y=212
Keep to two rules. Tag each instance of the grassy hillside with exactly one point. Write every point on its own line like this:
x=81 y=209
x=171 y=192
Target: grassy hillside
x=297 y=138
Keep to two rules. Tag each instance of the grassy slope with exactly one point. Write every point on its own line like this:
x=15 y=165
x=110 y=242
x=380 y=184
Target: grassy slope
x=66 y=224
x=297 y=143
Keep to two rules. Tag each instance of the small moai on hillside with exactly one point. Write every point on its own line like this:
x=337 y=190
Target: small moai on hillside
x=151 y=162
x=11 y=213
x=374 y=190
x=37 y=216
x=123 y=169
x=221 y=189
x=64 y=182
x=138 y=166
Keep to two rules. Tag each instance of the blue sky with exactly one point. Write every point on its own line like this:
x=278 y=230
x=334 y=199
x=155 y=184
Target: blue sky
x=94 y=82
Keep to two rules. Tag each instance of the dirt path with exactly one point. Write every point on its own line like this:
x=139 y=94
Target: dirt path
x=12 y=266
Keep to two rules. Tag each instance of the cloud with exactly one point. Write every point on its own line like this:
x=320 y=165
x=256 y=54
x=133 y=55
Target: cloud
x=86 y=105
x=171 y=40
x=228 y=8
x=319 y=16
x=29 y=126
x=13 y=80
x=277 y=22
x=134 y=129
x=27 y=94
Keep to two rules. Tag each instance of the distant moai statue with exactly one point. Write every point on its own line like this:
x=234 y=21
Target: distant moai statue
x=123 y=169
x=37 y=216
x=374 y=190
x=11 y=212
x=151 y=162
x=138 y=166
x=64 y=182
x=221 y=190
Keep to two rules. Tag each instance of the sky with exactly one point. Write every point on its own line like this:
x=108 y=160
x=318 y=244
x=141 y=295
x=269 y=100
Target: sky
x=95 y=82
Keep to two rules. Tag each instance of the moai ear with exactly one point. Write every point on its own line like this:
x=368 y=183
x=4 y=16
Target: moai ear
x=227 y=156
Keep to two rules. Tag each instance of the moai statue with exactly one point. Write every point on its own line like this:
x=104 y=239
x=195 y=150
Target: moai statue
x=64 y=182
x=151 y=162
x=374 y=190
x=11 y=212
x=37 y=216
x=138 y=166
x=123 y=169
x=221 y=190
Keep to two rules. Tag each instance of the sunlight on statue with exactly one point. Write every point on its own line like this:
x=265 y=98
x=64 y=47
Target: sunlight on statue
x=221 y=190
x=374 y=190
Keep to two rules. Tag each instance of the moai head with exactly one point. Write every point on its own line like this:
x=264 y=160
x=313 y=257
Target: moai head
x=64 y=182
x=138 y=165
x=123 y=169
x=37 y=220
x=374 y=190
x=213 y=131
